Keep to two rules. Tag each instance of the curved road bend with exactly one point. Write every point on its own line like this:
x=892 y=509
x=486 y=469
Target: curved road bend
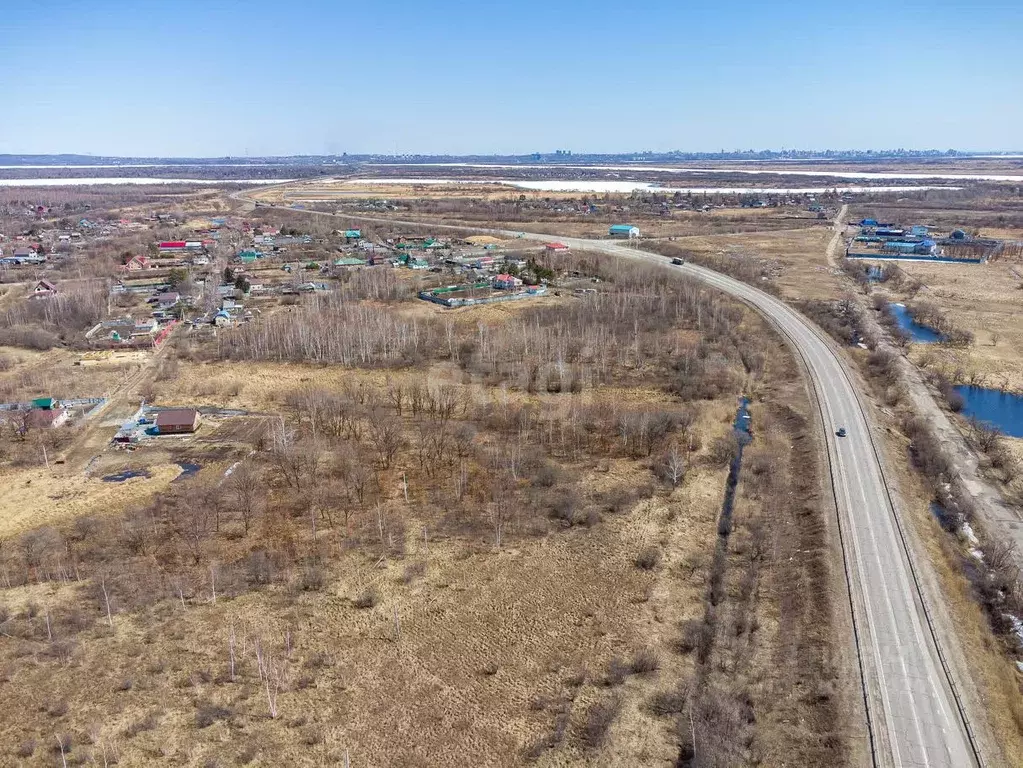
x=913 y=714
x=914 y=717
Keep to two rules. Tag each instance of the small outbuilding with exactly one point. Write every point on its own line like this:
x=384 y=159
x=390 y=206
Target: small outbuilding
x=623 y=230
x=43 y=290
x=556 y=248
x=177 y=421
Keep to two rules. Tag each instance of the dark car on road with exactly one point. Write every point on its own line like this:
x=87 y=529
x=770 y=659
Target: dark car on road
x=841 y=432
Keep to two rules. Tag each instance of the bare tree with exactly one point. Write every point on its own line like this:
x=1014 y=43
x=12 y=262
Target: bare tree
x=272 y=672
x=388 y=436
x=193 y=522
x=244 y=489
x=674 y=465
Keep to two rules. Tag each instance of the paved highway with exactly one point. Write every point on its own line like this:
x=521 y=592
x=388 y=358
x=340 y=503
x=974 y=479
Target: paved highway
x=914 y=717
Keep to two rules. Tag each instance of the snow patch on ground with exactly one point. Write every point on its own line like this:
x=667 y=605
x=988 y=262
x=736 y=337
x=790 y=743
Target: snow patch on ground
x=971 y=537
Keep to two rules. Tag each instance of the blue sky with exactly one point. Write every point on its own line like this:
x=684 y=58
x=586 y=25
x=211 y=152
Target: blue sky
x=212 y=77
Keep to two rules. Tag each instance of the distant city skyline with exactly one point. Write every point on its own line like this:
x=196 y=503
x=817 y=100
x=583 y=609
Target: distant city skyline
x=216 y=79
x=639 y=156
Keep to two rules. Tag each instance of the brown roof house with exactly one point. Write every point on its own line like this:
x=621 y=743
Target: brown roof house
x=44 y=289
x=46 y=418
x=177 y=421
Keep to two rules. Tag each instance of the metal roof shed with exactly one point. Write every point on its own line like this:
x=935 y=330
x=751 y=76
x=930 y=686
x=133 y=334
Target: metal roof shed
x=623 y=230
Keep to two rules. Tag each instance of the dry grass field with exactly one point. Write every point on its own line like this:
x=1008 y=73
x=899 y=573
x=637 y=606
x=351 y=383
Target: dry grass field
x=494 y=550
x=983 y=299
x=486 y=536
x=794 y=259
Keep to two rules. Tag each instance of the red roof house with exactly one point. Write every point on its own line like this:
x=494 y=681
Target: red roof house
x=506 y=281
x=135 y=263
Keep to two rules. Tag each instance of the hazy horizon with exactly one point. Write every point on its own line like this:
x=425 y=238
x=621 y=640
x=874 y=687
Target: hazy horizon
x=964 y=153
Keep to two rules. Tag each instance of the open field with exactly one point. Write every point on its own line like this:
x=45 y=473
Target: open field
x=504 y=518
x=793 y=259
x=762 y=271
x=530 y=574
x=984 y=300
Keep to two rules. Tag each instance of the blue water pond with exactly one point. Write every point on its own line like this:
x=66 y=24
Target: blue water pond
x=920 y=334
x=126 y=474
x=999 y=409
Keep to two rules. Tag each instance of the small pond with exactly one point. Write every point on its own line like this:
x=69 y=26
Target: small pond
x=920 y=334
x=188 y=468
x=949 y=520
x=1000 y=409
x=125 y=474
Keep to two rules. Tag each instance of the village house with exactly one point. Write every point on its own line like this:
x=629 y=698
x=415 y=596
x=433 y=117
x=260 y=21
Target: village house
x=124 y=330
x=168 y=300
x=177 y=421
x=349 y=261
x=44 y=289
x=506 y=281
x=135 y=263
x=46 y=418
x=556 y=248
